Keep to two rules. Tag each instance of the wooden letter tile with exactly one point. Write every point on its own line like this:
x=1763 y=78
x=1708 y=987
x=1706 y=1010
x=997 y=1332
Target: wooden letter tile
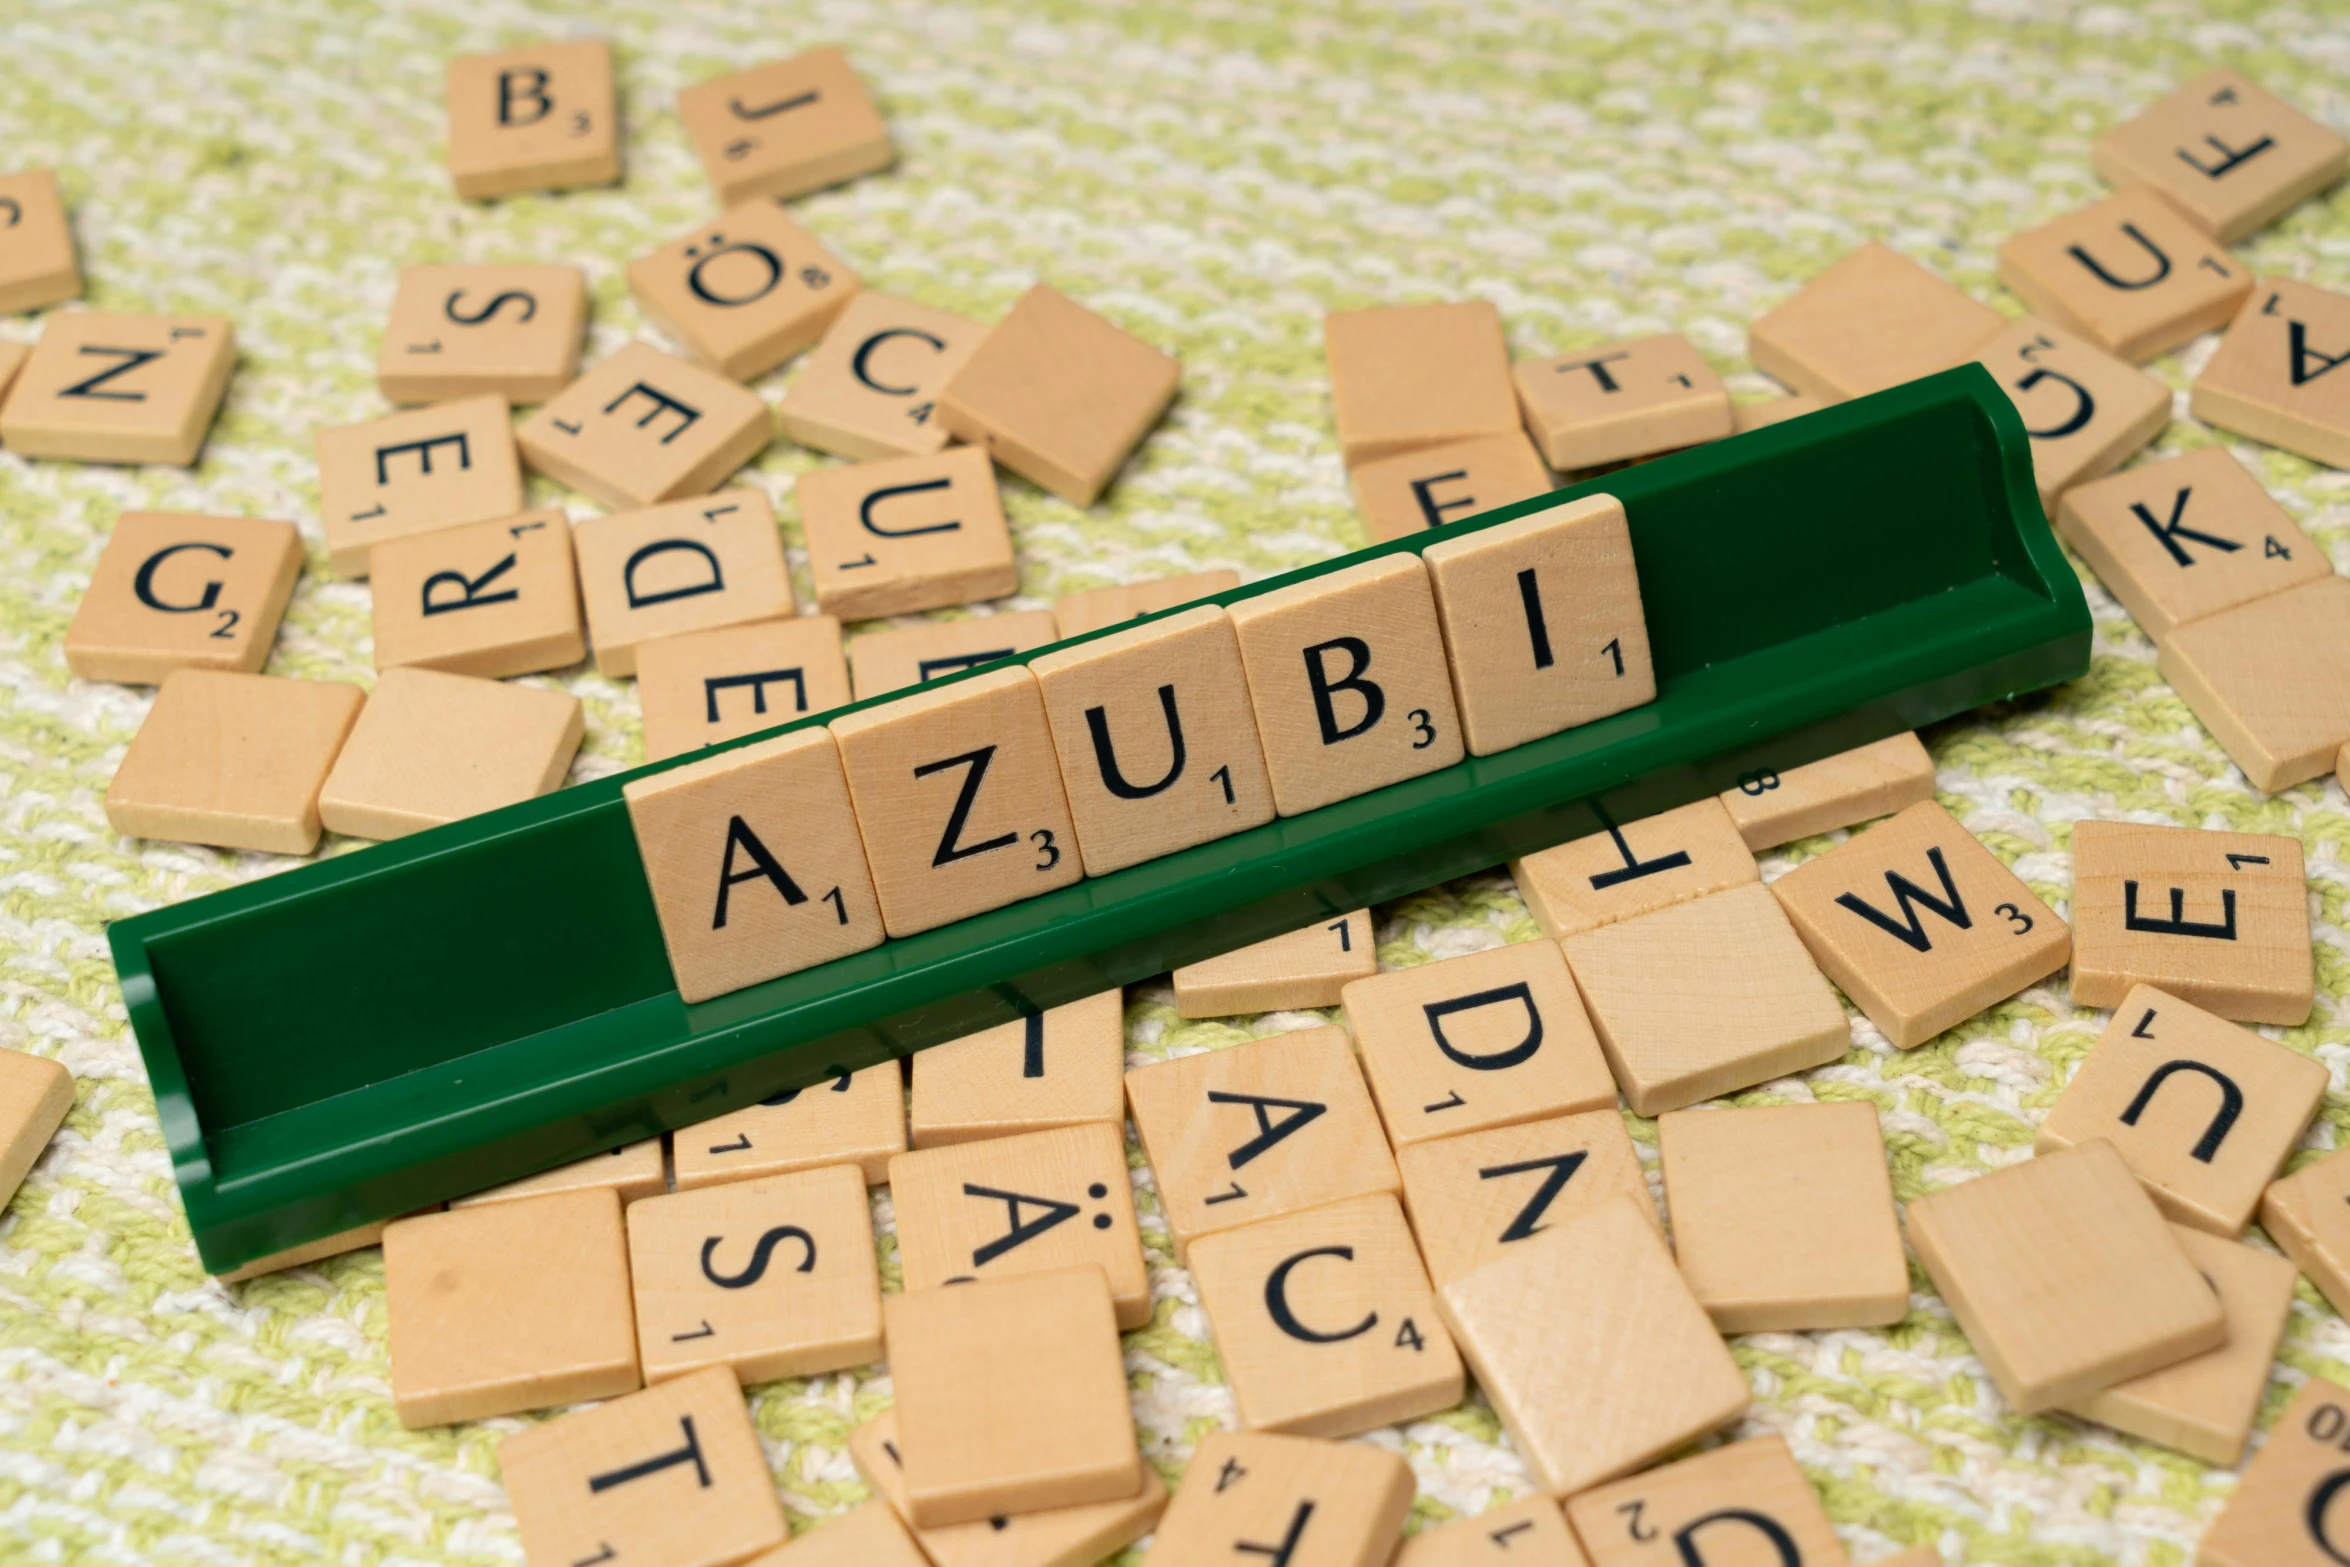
x=1632 y=399
x=1745 y=1501
x=706 y=686
x=1157 y=744
x=12 y=359
x=1348 y=678
x=1705 y=998
x=744 y=293
x=1057 y=1537
x=1011 y=1397
x=35 y=1094
x=414 y=472
x=1529 y=1532
x=784 y=128
x=1783 y=1216
x=903 y=657
x=1325 y=1322
x=1018 y=1205
x=854 y=1118
x=1477 y=1041
x=2220 y=920
x=2064 y=1276
x=1921 y=925
x=1430 y=486
x=1308 y=967
x=868 y=1535
x=2287 y=1509
x=773 y=1277
x=508 y=1306
x=1258 y=1130
x=1771 y=807
x=232 y=760
x=643 y=427
x=173 y=590
x=888 y=538
x=2269 y=379
x=2271 y=680
x=1094 y=608
x=326 y=1246
x=1592 y=1350
x=127 y=389
x=1407 y=376
x=1064 y=1066
x=1293 y=1499
x=1623 y=872
x=2085 y=411
x=1756 y=416
x=544 y=117
x=2308 y=1214
x=2226 y=154
x=36 y=244
x=1479 y=1197
x=666 y=570
x=431 y=748
x=1873 y=320
x=870 y=390
x=634 y=1170
x=491 y=599
x=958 y=800
x=459 y=331
x=2128 y=273
x=1543 y=624
x=672 y=1474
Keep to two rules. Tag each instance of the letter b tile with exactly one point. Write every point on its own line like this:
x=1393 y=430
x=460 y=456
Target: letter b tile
x=2220 y=919
x=716 y=561
x=543 y=117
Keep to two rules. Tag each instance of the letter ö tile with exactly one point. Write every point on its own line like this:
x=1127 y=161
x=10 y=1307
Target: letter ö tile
x=2285 y=1511
x=691 y=566
x=744 y=293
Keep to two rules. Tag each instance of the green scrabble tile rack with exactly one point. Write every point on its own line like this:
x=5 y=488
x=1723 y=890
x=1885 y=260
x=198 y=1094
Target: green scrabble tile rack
x=377 y=1032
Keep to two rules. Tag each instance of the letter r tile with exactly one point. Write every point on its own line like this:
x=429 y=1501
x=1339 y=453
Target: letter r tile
x=542 y=117
x=2219 y=919
x=689 y=566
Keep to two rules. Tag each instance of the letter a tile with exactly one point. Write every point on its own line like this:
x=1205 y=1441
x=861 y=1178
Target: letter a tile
x=2085 y=411
x=784 y=128
x=701 y=687
x=1635 y=869
x=173 y=590
x=643 y=427
x=36 y=245
x=543 y=117
x=2218 y=919
x=1745 y=1501
x=1063 y=1066
x=870 y=389
x=491 y=599
x=457 y=331
x=745 y=293
x=1482 y=1195
x=2288 y=1510
x=889 y=538
x=125 y=389
x=1252 y=1495
x=2272 y=377
x=1308 y=967
x=1056 y=1537
x=2228 y=155
x=854 y=1118
x=1529 y=1532
x=2128 y=273
x=666 y=570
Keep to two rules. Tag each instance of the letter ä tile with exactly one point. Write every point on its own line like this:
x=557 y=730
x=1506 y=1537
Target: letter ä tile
x=173 y=590
x=870 y=389
x=700 y=687
x=785 y=128
x=1636 y=869
x=457 y=331
x=1063 y=1066
x=121 y=389
x=1308 y=967
x=2128 y=273
x=745 y=293
x=691 y=566
x=2225 y=153
x=2272 y=378
x=888 y=538
x=854 y=1118
x=1056 y=1537
x=2085 y=411
x=903 y=657
x=643 y=427
x=1252 y=1494
x=543 y=117
x=2289 y=1509
x=1429 y=486
x=1529 y=1532
x=1745 y=1501
x=414 y=472
x=2219 y=920
x=1482 y=1195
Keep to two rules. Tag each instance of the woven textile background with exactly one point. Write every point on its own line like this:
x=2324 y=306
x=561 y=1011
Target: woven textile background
x=1215 y=176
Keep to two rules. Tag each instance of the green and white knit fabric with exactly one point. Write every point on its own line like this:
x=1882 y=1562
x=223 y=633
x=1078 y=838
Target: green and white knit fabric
x=1214 y=176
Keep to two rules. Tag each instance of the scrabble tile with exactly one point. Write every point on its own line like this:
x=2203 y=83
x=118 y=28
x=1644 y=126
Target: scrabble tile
x=2187 y=537
x=701 y=687
x=174 y=590
x=2128 y=273
x=1011 y=1397
x=2271 y=680
x=1705 y=998
x=744 y=293
x=12 y=359
x=1478 y=1197
x=542 y=117
x=1308 y=967
x=2224 y=153
x=431 y=748
x=35 y=1093
x=1059 y=395
x=126 y=389
x=1542 y=622
x=1010 y=1206
x=232 y=760
x=672 y=1474
x=2085 y=411
x=643 y=427
x=1745 y=1497
x=634 y=1170
x=854 y=1118
x=1592 y=1350
x=1636 y=398
x=1092 y=609
x=1064 y=1066
x=2269 y=378
x=666 y=570
x=1921 y=925
x=491 y=599
x=755 y=864
x=784 y=128
x=36 y=244
x=870 y=389
x=508 y=1306
x=2204 y=1407
x=1157 y=743
x=1529 y=1532
x=774 y=1277
x=2219 y=920
x=2064 y=1276
x=888 y=538
x=902 y=657
x=1873 y=320
x=1057 y=1537
x=1430 y=486
x=1257 y=1131
x=2308 y=1215
x=414 y=472
x=1347 y=675
x=2284 y=1512
x=1325 y=1322
x=868 y=1535
x=1783 y=1216
x=461 y=331
x=1408 y=376
x=1477 y=1041
x=336 y=1245
x=1776 y=410
x=958 y=800
x=1289 y=1499
x=1636 y=869
x=1771 y=807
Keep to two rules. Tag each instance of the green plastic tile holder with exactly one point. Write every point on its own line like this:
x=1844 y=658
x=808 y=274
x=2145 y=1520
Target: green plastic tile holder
x=374 y=1033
